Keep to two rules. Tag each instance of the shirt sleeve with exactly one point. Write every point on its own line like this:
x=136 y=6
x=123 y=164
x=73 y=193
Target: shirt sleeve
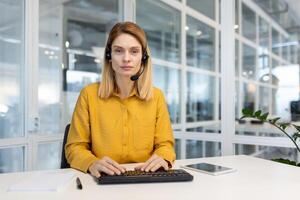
x=164 y=139
x=77 y=148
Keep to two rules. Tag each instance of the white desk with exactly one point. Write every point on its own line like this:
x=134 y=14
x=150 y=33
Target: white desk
x=255 y=179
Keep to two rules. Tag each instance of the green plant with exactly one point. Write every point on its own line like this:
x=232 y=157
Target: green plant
x=263 y=117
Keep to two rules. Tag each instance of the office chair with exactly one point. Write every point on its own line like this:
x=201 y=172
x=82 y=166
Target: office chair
x=64 y=163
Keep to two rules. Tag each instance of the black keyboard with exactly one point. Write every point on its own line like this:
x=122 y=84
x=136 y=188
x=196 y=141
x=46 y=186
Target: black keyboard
x=172 y=175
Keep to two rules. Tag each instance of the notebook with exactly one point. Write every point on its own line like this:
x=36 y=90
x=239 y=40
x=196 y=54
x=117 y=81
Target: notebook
x=50 y=181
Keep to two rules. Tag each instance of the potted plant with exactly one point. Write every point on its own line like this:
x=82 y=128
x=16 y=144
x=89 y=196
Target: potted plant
x=263 y=117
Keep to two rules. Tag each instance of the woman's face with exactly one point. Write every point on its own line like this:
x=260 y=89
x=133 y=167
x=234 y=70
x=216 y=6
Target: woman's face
x=126 y=55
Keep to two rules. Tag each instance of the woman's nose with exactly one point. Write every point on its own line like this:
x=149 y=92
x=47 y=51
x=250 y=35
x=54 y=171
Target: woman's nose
x=126 y=56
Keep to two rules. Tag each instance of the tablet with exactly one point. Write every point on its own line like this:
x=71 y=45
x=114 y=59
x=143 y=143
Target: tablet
x=209 y=168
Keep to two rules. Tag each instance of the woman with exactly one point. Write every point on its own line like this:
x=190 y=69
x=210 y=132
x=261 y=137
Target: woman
x=123 y=119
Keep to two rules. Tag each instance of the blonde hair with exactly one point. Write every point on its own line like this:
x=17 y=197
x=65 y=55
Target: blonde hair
x=144 y=84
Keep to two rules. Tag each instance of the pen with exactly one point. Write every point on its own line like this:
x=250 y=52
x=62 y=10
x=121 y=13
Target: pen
x=78 y=183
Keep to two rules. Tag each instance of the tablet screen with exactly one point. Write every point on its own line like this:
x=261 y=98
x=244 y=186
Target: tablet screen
x=208 y=167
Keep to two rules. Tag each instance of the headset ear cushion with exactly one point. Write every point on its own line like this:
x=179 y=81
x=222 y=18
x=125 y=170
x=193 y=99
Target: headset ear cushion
x=108 y=54
x=145 y=57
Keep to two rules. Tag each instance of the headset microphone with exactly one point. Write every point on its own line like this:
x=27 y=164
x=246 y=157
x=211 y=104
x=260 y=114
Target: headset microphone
x=137 y=76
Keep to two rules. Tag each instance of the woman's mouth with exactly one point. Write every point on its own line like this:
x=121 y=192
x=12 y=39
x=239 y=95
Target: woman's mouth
x=126 y=68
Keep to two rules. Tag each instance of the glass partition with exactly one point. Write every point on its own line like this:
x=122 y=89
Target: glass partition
x=248 y=23
x=72 y=36
x=200 y=43
x=12 y=159
x=161 y=24
x=12 y=42
x=199 y=149
x=168 y=80
x=249 y=62
x=200 y=97
x=205 y=7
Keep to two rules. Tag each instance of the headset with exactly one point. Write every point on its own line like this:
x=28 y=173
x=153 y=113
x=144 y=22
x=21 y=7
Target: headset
x=144 y=60
x=108 y=55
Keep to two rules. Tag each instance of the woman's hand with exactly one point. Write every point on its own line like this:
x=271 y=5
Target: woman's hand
x=153 y=163
x=106 y=165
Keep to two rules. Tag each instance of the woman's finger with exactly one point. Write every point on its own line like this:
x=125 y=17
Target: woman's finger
x=94 y=171
x=156 y=167
x=120 y=168
x=153 y=157
x=106 y=170
x=111 y=167
x=152 y=164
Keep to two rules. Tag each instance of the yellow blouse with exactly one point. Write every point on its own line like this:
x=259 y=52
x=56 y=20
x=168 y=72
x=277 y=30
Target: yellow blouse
x=126 y=130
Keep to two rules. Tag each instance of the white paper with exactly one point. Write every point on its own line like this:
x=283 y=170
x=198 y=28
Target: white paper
x=43 y=181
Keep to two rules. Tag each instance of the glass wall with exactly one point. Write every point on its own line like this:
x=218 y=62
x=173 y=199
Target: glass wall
x=160 y=23
x=72 y=37
x=168 y=80
x=269 y=81
x=200 y=97
x=208 y=8
x=200 y=43
x=184 y=39
x=12 y=159
x=11 y=68
x=12 y=34
x=267 y=152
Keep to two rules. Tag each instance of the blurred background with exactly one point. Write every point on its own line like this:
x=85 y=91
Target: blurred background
x=51 y=49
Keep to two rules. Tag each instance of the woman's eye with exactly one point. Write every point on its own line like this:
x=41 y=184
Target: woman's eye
x=135 y=51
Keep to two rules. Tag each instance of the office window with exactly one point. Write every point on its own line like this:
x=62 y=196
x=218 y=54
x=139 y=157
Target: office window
x=274 y=101
x=162 y=26
x=249 y=95
x=214 y=127
x=236 y=16
x=168 y=80
x=11 y=68
x=178 y=149
x=251 y=130
x=49 y=155
x=199 y=149
x=200 y=45
x=267 y=152
x=237 y=100
x=72 y=38
x=237 y=58
x=264 y=37
x=263 y=103
x=285 y=48
x=248 y=23
x=200 y=97
x=205 y=7
x=286 y=81
x=275 y=64
x=12 y=159
x=263 y=70
x=294 y=54
x=275 y=42
x=219 y=49
x=248 y=62
x=50 y=61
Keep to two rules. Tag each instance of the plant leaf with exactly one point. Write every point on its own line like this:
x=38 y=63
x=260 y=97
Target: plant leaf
x=296 y=136
x=273 y=121
x=247 y=112
x=263 y=117
x=284 y=125
x=257 y=113
x=296 y=127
